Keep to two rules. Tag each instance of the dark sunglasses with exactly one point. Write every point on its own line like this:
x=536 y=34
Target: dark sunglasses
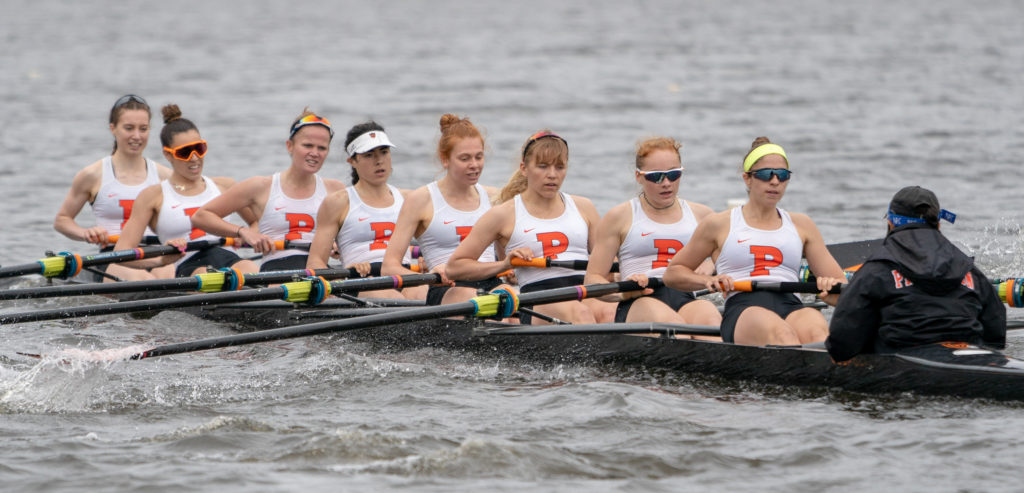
x=184 y=152
x=765 y=174
x=659 y=176
x=129 y=98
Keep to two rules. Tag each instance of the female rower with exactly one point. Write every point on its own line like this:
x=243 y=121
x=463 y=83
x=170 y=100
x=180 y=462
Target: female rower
x=286 y=203
x=645 y=233
x=535 y=219
x=760 y=241
x=361 y=218
x=166 y=207
x=111 y=184
x=442 y=213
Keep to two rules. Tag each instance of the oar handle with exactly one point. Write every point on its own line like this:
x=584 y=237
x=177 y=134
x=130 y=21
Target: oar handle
x=782 y=287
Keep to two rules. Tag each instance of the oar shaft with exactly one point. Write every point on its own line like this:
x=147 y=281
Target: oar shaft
x=467 y=308
x=278 y=292
x=153 y=285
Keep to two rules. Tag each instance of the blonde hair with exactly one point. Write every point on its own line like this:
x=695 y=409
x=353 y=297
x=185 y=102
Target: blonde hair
x=550 y=150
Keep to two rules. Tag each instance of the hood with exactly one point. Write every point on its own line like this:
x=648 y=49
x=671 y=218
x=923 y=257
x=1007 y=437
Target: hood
x=926 y=257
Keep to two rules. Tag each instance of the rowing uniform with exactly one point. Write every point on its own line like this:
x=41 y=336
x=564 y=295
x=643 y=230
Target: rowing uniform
x=916 y=288
x=174 y=221
x=759 y=255
x=114 y=200
x=565 y=237
x=448 y=227
x=289 y=219
x=364 y=235
x=648 y=248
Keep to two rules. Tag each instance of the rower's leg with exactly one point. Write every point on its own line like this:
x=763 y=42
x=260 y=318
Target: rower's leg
x=701 y=312
x=457 y=294
x=126 y=273
x=570 y=311
x=758 y=326
x=416 y=292
x=603 y=311
x=810 y=325
x=647 y=309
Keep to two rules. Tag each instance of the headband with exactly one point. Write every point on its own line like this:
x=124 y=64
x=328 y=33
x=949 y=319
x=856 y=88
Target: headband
x=762 y=151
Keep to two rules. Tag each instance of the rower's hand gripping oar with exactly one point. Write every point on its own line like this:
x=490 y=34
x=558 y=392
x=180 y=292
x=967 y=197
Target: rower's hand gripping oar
x=500 y=303
x=545 y=262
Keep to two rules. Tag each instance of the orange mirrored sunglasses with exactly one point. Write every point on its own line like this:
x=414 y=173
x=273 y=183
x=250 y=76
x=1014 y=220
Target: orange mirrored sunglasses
x=184 y=152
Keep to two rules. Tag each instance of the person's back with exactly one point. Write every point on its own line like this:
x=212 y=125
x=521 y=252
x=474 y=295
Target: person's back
x=917 y=288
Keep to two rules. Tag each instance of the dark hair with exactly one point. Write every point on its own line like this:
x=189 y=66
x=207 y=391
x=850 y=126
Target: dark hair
x=174 y=124
x=130 y=102
x=354 y=133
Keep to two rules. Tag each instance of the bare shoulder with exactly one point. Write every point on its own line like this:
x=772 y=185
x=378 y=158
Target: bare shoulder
x=334 y=185
x=717 y=221
x=700 y=211
x=223 y=182
x=620 y=214
x=90 y=175
x=583 y=203
x=418 y=198
x=164 y=172
x=802 y=221
x=492 y=192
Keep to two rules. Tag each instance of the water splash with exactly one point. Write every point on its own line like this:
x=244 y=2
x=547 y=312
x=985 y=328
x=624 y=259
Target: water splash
x=62 y=381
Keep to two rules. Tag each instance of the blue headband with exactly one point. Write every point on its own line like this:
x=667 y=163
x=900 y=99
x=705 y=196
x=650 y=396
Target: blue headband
x=898 y=220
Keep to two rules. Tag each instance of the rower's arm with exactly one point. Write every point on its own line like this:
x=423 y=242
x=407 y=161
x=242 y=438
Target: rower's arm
x=606 y=246
x=83 y=188
x=235 y=198
x=465 y=264
x=332 y=212
x=681 y=272
x=145 y=212
x=410 y=217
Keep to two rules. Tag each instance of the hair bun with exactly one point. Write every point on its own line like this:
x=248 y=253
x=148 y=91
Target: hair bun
x=448 y=120
x=760 y=141
x=171 y=112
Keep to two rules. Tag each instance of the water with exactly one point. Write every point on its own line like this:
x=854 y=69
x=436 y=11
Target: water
x=867 y=97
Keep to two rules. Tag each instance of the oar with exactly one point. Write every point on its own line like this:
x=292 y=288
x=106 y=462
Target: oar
x=312 y=291
x=545 y=262
x=853 y=253
x=670 y=330
x=501 y=303
x=224 y=280
x=67 y=264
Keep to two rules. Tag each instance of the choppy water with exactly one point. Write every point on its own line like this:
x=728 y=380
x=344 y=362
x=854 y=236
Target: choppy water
x=866 y=96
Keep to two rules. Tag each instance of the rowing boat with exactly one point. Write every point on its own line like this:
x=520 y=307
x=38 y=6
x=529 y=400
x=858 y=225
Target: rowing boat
x=955 y=369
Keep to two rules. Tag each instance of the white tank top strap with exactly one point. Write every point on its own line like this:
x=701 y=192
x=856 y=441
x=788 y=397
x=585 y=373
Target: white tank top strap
x=291 y=219
x=449 y=226
x=114 y=200
x=649 y=246
x=175 y=218
x=565 y=237
x=364 y=235
x=761 y=255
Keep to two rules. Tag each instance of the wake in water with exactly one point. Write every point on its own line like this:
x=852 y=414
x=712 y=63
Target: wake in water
x=62 y=381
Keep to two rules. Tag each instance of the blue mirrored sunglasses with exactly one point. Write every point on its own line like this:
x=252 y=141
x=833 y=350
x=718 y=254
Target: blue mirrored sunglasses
x=765 y=174
x=659 y=176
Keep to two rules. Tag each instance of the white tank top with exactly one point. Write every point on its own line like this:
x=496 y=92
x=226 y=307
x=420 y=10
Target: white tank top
x=760 y=255
x=365 y=233
x=449 y=227
x=114 y=200
x=649 y=245
x=564 y=238
x=176 y=213
x=285 y=218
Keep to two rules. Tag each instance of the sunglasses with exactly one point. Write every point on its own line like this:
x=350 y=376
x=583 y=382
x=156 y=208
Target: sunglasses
x=184 y=152
x=659 y=176
x=765 y=174
x=311 y=119
x=540 y=135
x=127 y=99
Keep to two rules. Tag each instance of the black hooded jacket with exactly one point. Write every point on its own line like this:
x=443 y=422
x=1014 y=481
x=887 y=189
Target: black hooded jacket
x=916 y=288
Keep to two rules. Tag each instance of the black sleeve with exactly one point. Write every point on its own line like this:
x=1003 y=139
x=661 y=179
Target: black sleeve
x=993 y=312
x=855 y=320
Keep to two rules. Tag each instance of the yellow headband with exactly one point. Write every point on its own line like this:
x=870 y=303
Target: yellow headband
x=762 y=151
